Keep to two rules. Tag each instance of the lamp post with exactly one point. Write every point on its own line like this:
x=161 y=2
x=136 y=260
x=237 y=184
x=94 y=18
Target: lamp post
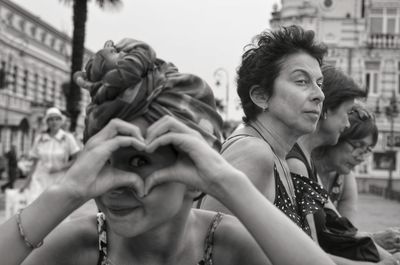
x=391 y=112
x=221 y=76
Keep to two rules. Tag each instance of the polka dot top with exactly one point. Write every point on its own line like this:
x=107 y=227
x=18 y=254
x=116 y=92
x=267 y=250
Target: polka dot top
x=309 y=195
x=309 y=198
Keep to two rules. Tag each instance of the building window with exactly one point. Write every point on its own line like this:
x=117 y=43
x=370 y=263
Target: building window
x=35 y=87
x=3 y=75
x=22 y=24
x=53 y=89
x=371 y=77
x=384 y=20
x=52 y=42
x=14 y=79
x=43 y=37
x=33 y=31
x=398 y=77
x=10 y=18
x=25 y=83
x=44 y=89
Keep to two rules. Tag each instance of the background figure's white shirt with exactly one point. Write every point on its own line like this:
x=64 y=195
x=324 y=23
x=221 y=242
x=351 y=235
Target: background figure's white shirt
x=52 y=154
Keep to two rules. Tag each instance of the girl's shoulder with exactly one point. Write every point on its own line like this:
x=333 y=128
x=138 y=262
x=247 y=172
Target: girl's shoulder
x=232 y=243
x=72 y=242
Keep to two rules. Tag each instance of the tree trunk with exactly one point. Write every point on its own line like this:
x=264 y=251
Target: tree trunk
x=78 y=49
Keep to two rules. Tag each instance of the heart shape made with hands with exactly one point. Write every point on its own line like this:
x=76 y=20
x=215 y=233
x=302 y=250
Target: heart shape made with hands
x=168 y=164
x=194 y=162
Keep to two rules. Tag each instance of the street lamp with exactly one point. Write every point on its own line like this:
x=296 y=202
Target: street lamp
x=221 y=76
x=391 y=112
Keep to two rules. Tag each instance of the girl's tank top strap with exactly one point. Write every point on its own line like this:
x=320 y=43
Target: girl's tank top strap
x=209 y=241
x=102 y=232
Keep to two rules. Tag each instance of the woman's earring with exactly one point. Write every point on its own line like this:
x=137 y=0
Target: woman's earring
x=323 y=115
x=265 y=108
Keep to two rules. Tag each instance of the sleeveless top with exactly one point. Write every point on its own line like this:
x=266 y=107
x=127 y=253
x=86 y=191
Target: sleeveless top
x=208 y=242
x=335 y=191
x=310 y=196
x=336 y=234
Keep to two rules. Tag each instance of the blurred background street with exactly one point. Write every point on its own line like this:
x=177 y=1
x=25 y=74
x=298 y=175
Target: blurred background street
x=374 y=212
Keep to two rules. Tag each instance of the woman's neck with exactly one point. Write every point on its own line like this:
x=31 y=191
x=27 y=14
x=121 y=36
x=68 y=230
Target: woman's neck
x=323 y=169
x=53 y=132
x=280 y=140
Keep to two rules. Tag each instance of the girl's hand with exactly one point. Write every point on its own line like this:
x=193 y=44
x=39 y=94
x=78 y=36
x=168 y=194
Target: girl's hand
x=197 y=164
x=91 y=176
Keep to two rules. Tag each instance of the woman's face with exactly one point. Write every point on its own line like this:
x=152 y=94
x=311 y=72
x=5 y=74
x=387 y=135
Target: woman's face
x=336 y=122
x=54 y=123
x=130 y=215
x=346 y=155
x=297 y=96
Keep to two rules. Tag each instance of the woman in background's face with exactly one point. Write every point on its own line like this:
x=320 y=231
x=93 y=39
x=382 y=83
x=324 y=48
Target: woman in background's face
x=346 y=155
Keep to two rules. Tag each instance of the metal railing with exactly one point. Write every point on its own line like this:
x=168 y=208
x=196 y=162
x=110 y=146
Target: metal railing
x=384 y=192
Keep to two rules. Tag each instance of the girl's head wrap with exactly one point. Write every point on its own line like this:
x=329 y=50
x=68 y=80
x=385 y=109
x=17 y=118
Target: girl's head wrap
x=130 y=81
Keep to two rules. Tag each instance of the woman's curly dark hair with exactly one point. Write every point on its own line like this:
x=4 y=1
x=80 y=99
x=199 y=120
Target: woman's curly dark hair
x=261 y=63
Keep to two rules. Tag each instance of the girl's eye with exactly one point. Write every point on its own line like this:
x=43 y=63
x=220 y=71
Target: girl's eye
x=138 y=161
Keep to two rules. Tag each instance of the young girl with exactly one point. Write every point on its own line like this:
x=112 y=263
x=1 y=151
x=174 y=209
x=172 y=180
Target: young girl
x=151 y=134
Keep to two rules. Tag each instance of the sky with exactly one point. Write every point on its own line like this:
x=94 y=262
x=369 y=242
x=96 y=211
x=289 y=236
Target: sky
x=198 y=36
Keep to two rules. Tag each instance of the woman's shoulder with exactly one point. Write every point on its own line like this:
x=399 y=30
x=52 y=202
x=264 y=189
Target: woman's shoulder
x=72 y=242
x=249 y=148
x=297 y=166
x=232 y=243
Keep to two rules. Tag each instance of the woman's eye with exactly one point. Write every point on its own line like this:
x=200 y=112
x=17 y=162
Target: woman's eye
x=138 y=162
x=301 y=82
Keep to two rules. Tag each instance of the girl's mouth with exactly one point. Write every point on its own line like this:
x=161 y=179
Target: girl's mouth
x=121 y=211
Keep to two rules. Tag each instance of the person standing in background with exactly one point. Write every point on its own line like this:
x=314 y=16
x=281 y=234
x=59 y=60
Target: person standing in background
x=12 y=168
x=52 y=153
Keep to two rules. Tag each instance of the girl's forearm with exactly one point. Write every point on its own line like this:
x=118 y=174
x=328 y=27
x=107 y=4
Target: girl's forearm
x=37 y=221
x=273 y=230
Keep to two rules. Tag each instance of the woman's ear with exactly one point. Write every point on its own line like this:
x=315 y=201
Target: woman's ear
x=259 y=97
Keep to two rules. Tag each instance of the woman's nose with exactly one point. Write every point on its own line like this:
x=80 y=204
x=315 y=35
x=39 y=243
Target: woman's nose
x=318 y=95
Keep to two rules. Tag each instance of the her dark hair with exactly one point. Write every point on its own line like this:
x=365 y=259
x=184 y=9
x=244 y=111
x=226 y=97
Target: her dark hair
x=338 y=88
x=261 y=62
x=362 y=124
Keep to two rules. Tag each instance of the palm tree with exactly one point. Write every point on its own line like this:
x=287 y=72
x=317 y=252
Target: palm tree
x=79 y=14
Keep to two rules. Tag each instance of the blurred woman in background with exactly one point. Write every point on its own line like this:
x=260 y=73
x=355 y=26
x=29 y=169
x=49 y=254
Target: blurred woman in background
x=52 y=153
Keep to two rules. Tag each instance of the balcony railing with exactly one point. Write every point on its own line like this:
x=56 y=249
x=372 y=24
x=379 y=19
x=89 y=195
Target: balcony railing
x=383 y=41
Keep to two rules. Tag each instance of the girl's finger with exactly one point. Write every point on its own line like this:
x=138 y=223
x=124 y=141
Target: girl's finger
x=156 y=178
x=122 y=141
x=113 y=128
x=167 y=124
x=173 y=173
x=181 y=142
x=122 y=179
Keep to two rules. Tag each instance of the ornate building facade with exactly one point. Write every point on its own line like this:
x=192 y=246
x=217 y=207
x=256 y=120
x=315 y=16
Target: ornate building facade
x=363 y=37
x=34 y=73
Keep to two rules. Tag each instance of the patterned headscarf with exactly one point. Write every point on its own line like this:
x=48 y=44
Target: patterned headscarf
x=132 y=82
